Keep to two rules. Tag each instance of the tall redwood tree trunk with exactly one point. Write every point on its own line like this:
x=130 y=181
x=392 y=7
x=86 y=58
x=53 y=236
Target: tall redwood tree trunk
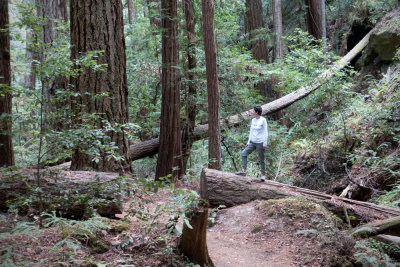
x=98 y=25
x=6 y=146
x=169 y=156
x=51 y=11
x=315 y=18
x=255 y=21
x=258 y=42
x=214 y=130
x=187 y=138
x=278 y=29
x=131 y=12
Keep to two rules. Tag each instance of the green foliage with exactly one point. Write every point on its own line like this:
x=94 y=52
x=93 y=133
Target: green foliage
x=368 y=254
x=374 y=10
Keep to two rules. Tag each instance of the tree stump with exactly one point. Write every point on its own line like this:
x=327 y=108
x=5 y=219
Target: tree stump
x=193 y=243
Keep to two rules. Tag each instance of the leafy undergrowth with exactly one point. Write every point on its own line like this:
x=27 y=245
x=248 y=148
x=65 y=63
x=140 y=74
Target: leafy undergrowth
x=321 y=238
x=95 y=242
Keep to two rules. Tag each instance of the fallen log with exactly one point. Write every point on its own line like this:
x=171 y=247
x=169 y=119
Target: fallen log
x=223 y=188
x=391 y=225
x=70 y=194
x=150 y=147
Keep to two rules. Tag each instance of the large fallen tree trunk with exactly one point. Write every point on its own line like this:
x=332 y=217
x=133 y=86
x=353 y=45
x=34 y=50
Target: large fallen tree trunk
x=150 y=147
x=223 y=188
x=70 y=194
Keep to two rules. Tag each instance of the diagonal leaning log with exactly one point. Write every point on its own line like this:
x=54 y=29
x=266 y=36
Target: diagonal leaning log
x=150 y=147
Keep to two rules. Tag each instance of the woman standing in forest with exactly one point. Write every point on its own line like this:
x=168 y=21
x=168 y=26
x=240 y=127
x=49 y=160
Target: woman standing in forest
x=258 y=139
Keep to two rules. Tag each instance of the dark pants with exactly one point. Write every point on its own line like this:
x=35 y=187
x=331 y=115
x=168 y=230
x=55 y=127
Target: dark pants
x=261 y=154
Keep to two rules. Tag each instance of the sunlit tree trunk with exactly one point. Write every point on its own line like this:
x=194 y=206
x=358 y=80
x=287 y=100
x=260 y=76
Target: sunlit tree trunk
x=214 y=130
x=316 y=24
x=98 y=25
x=169 y=157
x=6 y=146
x=187 y=138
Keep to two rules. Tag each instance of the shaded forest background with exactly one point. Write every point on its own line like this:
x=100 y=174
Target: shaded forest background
x=92 y=84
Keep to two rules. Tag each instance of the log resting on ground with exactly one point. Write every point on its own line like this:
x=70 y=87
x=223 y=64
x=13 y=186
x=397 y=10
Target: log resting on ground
x=150 y=147
x=70 y=194
x=228 y=189
x=388 y=226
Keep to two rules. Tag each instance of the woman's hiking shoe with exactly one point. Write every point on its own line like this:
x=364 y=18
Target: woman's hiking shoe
x=241 y=173
x=262 y=178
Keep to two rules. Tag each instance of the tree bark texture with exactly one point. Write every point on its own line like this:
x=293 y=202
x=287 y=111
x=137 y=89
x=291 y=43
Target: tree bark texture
x=258 y=42
x=223 y=188
x=314 y=18
x=255 y=21
x=97 y=25
x=149 y=148
x=50 y=11
x=191 y=109
x=193 y=243
x=169 y=157
x=6 y=145
x=278 y=29
x=30 y=78
x=214 y=130
x=131 y=12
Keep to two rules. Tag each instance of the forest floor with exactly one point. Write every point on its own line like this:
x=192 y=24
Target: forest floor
x=260 y=233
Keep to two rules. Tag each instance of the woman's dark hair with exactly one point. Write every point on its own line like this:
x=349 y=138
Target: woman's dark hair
x=258 y=110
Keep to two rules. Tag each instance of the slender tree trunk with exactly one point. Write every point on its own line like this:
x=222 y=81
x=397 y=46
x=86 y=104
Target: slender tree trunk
x=278 y=29
x=315 y=18
x=98 y=25
x=50 y=11
x=131 y=12
x=214 y=130
x=30 y=78
x=187 y=138
x=258 y=42
x=6 y=146
x=169 y=157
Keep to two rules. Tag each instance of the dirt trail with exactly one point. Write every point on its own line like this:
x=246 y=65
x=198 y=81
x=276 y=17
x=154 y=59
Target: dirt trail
x=237 y=240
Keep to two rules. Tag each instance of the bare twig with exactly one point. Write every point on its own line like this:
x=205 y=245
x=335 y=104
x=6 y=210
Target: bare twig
x=279 y=167
x=229 y=153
